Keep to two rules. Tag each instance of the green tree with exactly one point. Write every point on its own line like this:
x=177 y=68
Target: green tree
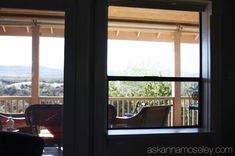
x=157 y=89
x=141 y=89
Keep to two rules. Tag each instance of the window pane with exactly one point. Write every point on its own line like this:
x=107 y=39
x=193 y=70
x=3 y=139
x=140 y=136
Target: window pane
x=140 y=58
x=190 y=60
x=51 y=70
x=153 y=42
x=24 y=61
x=146 y=42
x=144 y=58
x=140 y=104
x=15 y=66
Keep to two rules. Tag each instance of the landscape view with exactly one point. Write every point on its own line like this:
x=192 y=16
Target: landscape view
x=129 y=58
x=125 y=58
x=16 y=81
x=16 y=70
x=145 y=58
x=16 y=66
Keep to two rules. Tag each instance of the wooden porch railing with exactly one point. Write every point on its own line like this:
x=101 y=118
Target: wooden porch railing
x=18 y=104
x=14 y=104
x=51 y=100
x=124 y=105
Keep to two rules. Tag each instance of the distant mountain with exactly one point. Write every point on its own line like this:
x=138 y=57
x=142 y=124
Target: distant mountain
x=151 y=71
x=51 y=72
x=26 y=71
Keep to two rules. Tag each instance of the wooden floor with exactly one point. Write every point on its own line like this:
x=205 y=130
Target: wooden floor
x=52 y=151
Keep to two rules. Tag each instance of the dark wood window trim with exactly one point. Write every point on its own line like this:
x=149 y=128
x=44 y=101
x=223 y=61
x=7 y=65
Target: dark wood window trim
x=205 y=76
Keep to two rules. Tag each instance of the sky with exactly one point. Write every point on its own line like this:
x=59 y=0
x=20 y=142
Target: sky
x=18 y=51
x=154 y=56
x=139 y=54
x=122 y=54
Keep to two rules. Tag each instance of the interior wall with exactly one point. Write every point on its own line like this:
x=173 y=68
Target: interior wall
x=223 y=76
x=227 y=43
x=222 y=88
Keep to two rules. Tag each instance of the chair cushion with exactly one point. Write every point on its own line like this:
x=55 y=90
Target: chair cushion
x=56 y=131
x=54 y=125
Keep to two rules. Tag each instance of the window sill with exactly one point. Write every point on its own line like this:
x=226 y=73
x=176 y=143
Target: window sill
x=118 y=132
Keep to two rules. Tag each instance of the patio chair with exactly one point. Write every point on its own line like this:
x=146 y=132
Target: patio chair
x=148 y=117
x=111 y=115
x=49 y=116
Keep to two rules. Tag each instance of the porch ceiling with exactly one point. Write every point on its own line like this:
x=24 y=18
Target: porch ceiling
x=153 y=15
x=18 y=22
x=152 y=24
x=124 y=23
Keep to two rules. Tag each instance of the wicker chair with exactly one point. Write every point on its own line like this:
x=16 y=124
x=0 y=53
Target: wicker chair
x=47 y=116
x=148 y=117
x=111 y=116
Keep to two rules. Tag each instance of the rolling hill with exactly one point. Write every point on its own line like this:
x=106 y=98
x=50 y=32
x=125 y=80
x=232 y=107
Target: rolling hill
x=25 y=71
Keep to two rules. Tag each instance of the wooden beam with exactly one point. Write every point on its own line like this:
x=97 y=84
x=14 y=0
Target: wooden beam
x=4 y=29
x=177 y=85
x=196 y=37
x=153 y=15
x=138 y=26
x=52 y=30
x=177 y=37
x=27 y=29
x=158 y=35
x=138 y=34
x=15 y=31
x=35 y=65
x=28 y=12
x=130 y=35
x=117 y=33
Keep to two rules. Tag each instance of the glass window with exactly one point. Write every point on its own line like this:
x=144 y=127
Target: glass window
x=15 y=73
x=31 y=74
x=140 y=58
x=153 y=68
x=51 y=70
x=190 y=60
x=15 y=66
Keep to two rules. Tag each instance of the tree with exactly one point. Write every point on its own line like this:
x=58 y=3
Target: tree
x=139 y=89
x=154 y=89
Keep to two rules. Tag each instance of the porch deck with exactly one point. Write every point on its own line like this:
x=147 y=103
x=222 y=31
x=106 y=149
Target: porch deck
x=52 y=151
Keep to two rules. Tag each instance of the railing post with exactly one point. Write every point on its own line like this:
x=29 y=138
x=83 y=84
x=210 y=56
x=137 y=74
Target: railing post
x=177 y=85
x=35 y=64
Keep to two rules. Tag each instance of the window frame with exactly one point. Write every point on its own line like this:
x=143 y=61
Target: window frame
x=204 y=8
